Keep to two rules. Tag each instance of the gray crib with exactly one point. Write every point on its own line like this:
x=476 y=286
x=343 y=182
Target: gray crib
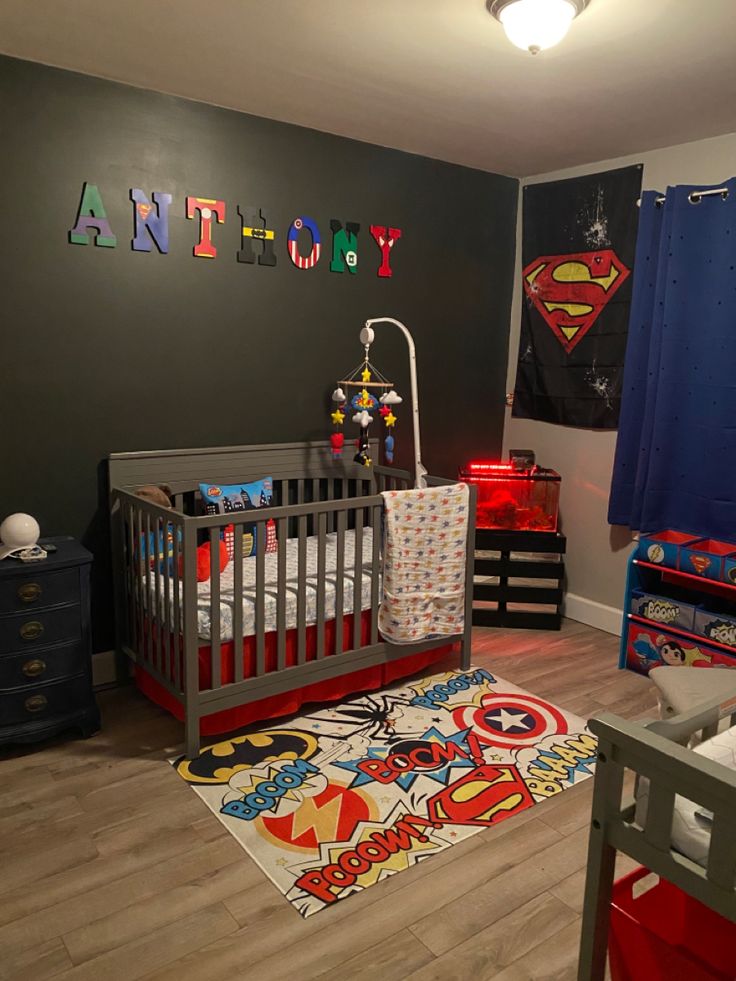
x=656 y=750
x=317 y=500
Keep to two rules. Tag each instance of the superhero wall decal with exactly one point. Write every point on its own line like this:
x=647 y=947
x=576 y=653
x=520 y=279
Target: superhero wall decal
x=258 y=239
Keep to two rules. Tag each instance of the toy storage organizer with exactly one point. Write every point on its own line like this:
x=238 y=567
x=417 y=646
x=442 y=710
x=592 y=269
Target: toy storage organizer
x=680 y=604
x=317 y=501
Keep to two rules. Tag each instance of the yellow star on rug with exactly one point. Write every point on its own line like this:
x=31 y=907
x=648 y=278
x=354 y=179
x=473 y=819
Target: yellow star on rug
x=282 y=862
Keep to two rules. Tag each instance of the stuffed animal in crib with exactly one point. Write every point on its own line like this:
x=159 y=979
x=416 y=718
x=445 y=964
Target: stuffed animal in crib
x=160 y=495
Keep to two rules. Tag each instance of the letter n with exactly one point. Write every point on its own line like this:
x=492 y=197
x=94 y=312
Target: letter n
x=344 y=246
x=150 y=222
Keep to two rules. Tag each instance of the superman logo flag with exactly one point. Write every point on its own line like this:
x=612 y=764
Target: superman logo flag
x=577 y=254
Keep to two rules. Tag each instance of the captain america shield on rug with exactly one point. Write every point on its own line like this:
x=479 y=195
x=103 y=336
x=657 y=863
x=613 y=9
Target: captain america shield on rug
x=510 y=721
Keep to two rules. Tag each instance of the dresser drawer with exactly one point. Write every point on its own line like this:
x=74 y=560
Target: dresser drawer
x=39 y=628
x=41 y=666
x=38 y=588
x=44 y=701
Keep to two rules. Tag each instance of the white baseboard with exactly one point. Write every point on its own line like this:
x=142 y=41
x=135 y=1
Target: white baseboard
x=594 y=614
x=103 y=669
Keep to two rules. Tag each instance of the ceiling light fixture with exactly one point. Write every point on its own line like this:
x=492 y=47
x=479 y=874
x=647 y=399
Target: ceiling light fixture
x=534 y=25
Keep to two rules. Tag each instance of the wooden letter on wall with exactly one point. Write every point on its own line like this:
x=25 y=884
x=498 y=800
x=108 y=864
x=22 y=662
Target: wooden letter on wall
x=207 y=207
x=92 y=215
x=256 y=239
x=344 y=246
x=385 y=238
x=150 y=222
x=300 y=261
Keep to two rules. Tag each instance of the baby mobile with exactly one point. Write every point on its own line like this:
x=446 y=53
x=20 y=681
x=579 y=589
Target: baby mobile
x=355 y=395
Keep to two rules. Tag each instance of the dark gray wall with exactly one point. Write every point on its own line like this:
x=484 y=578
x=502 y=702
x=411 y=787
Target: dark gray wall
x=109 y=349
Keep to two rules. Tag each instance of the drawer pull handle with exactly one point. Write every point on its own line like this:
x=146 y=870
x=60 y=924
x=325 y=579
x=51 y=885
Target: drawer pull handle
x=36 y=703
x=29 y=592
x=31 y=630
x=32 y=669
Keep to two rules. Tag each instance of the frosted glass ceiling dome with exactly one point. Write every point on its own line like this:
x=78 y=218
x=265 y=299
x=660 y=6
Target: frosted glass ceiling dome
x=534 y=25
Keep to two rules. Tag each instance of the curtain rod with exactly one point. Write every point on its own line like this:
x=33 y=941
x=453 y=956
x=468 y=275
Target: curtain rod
x=694 y=196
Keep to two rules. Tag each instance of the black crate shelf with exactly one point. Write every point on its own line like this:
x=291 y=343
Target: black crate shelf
x=505 y=568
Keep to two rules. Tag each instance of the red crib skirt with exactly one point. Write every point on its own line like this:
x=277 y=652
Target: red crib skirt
x=330 y=690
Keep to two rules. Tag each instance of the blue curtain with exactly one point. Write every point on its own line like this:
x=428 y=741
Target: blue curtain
x=675 y=464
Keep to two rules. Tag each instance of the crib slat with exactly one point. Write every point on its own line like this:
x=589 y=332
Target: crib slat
x=376 y=571
x=330 y=497
x=260 y=621
x=721 y=855
x=321 y=552
x=149 y=617
x=301 y=596
x=358 y=580
x=176 y=630
x=159 y=552
x=215 y=607
x=282 y=530
x=139 y=573
x=658 y=827
x=238 y=653
x=340 y=581
x=133 y=580
x=166 y=571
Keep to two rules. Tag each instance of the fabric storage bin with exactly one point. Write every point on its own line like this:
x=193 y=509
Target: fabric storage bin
x=705 y=557
x=729 y=569
x=650 y=647
x=667 y=610
x=714 y=621
x=662 y=934
x=662 y=547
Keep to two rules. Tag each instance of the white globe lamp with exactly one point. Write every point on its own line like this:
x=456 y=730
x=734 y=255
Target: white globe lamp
x=17 y=532
x=534 y=25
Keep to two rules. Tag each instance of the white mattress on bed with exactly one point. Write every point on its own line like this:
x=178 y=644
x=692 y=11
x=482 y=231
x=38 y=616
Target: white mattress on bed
x=691 y=825
x=292 y=584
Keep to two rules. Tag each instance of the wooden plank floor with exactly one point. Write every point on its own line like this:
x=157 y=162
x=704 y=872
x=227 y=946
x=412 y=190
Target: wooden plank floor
x=113 y=869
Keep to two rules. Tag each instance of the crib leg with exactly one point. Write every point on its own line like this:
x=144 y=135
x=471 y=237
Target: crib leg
x=465 y=651
x=607 y=788
x=191 y=733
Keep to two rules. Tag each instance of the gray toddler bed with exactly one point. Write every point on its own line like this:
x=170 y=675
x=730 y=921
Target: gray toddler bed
x=657 y=751
x=326 y=571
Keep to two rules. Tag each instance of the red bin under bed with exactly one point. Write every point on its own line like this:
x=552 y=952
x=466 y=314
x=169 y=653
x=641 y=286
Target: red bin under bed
x=666 y=935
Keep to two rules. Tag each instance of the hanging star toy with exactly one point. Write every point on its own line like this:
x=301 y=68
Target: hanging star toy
x=366 y=375
x=384 y=411
x=338 y=417
x=390 y=419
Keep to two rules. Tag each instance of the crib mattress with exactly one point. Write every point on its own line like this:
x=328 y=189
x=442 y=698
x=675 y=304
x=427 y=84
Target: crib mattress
x=691 y=825
x=204 y=624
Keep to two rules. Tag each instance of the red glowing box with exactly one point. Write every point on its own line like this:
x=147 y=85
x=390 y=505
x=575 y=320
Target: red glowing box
x=513 y=498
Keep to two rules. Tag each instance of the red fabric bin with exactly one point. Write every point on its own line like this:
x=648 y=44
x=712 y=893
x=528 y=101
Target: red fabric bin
x=666 y=935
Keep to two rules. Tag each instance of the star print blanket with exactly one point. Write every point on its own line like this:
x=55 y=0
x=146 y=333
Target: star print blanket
x=424 y=554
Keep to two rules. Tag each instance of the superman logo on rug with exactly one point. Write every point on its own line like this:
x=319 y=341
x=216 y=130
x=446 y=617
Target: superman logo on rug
x=340 y=799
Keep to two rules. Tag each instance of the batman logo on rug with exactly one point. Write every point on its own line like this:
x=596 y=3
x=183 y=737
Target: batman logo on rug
x=218 y=763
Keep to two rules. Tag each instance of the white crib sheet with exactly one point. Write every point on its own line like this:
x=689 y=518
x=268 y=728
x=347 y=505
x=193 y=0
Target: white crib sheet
x=204 y=625
x=691 y=827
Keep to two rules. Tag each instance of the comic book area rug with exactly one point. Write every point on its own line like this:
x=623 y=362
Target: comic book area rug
x=335 y=801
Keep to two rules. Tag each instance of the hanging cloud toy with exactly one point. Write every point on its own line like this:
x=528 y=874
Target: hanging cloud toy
x=339 y=396
x=364 y=419
x=391 y=398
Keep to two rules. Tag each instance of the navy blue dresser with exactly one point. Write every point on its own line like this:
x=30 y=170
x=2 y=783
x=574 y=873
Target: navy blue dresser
x=45 y=646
